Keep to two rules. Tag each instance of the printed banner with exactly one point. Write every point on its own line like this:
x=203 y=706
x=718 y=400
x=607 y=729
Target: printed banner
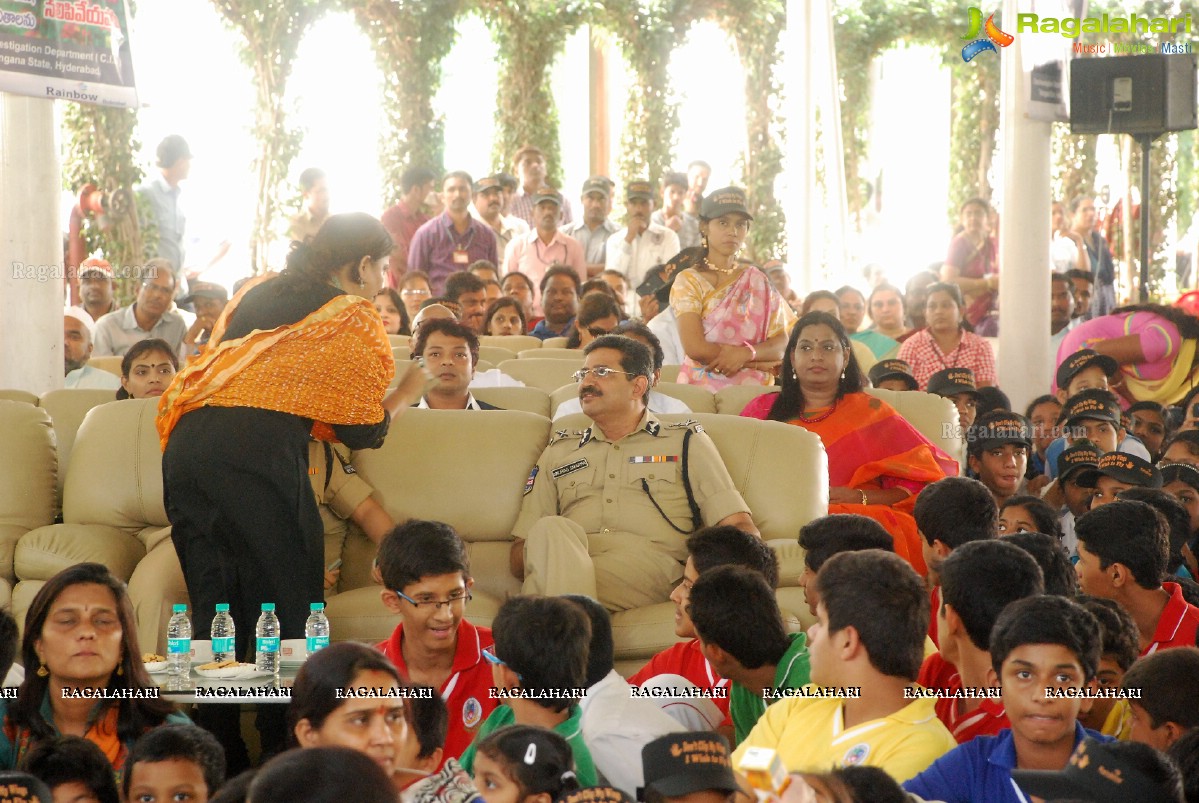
x=67 y=50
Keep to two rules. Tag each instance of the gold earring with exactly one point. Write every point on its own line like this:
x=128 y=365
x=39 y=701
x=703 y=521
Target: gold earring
x=42 y=671
x=120 y=669
x=703 y=240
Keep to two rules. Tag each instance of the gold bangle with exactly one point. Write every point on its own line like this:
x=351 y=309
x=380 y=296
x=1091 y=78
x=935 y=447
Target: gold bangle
x=864 y=500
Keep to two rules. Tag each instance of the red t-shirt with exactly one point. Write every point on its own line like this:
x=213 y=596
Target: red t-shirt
x=934 y=605
x=986 y=720
x=466 y=692
x=686 y=660
x=1177 y=625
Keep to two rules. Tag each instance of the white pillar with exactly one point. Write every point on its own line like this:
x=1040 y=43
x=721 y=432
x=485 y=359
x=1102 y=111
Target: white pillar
x=1025 y=362
x=31 y=254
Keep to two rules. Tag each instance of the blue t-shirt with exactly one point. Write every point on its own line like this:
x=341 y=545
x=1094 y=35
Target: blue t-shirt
x=980 y=769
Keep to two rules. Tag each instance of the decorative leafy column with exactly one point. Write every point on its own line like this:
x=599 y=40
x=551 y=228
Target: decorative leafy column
x=272 y=31
x=529 y=34
x=973 y=129
x=99 y=147
x=756 y=27
x=411 y=39
x=646 y=34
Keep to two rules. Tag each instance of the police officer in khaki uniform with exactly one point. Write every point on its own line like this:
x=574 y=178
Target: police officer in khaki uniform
x=342 y=496
x=606 y=510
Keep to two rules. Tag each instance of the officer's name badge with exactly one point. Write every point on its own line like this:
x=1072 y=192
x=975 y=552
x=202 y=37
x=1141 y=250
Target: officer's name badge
x=570 y=468
x=655 y=458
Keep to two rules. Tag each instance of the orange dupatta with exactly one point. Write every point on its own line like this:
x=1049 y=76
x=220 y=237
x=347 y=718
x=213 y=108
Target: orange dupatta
x=870 y=445
x=333 y=366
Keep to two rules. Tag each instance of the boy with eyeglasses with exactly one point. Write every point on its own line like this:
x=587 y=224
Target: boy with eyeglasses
x=427 y=582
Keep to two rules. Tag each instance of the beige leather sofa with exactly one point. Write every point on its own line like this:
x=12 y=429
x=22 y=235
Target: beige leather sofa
x=477 y=490
x=28 y=494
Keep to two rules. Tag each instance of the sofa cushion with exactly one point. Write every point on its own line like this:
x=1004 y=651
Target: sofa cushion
x=28 y=492
x=116 y=435
x=530 y=400
x=67 y=408
x=458 y=466
x=46 y=551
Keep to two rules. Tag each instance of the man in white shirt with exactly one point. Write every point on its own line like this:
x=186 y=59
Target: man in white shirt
x=77 y=349
x=149 y=316
x=640 y=245
x=596 y=227
x=615 y=724
x=488 y=208
x=658 y=402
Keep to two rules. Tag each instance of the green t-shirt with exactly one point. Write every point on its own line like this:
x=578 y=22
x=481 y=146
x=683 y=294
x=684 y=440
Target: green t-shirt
x=570 y=729
x=792 y=672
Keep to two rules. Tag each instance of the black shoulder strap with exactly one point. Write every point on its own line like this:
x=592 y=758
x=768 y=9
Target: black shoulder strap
x=697 y=520
x=328 y=463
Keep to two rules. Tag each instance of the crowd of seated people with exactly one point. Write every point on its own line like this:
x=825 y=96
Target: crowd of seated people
x=963 y=612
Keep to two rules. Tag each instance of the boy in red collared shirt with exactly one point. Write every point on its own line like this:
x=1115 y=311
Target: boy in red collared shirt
x=978 y=580
x=427 y=582
x=708 y=548
x=1122 y=553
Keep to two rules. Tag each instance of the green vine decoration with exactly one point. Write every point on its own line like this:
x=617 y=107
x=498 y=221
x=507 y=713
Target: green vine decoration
x=973 y=131
x=411 y=39
x=100 y=144
x=530 y=34
x=646 y=33
x=271 y=31
x=1073 y=164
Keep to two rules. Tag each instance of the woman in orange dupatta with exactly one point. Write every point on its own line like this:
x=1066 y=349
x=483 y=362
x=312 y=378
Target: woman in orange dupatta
x=295 y=355
x=877 y=461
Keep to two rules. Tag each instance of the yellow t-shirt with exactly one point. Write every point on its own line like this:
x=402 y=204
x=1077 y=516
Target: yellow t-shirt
x=809 y=735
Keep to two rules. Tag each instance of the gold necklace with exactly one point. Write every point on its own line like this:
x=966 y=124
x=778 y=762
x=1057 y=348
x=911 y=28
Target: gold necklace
x=712 y=267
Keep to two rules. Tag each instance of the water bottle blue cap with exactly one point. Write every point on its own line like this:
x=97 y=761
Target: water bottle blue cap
x=316 y=606
x=222 y=606
x=268 y=606
x=178 y=608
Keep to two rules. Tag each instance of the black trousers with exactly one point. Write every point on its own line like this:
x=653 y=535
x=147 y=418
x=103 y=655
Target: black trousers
x=244 y=518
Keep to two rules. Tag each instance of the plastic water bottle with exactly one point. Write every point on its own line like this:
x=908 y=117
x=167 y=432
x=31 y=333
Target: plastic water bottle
x=179 y=642
x=223 y=633
x=266 y=635
x=316 y=629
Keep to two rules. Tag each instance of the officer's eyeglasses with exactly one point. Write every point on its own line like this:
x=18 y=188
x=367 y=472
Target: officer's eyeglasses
x=454 y=601
x=600 y=372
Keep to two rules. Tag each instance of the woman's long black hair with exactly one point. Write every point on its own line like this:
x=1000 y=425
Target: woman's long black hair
x=789 y=402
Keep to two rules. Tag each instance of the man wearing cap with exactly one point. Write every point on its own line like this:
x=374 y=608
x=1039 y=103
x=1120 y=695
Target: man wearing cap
x=403 y=219
x=95 y=287
x=997 y=448
x=680 y=766
x=453 y=240
x=672 y=215
x=595 y=228
x=1123 y=548
x=1115 y=472
x=1107 y=772
x=208 y=300
x=533 y=253
x=1095 y=415
x=529 y=165
x=162 y=194
x=957 y=385
x=77 y=349
x=488 y=207
x=148 y=317
x=894 y=374
x=640 y=245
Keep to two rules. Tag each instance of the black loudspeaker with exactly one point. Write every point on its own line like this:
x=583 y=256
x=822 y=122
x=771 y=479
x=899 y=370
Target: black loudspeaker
x=1149 y=94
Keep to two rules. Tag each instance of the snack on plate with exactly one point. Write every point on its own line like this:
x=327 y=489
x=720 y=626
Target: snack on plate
x=219 y=665
x=151 y=658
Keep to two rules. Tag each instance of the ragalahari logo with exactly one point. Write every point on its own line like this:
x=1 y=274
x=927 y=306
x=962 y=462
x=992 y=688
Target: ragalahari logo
x=994 y=35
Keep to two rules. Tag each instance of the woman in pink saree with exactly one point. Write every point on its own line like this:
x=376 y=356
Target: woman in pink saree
x=732 y=323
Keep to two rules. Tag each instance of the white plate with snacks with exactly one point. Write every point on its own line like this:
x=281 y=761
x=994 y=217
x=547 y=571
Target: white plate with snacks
x=154 y=663
x=230 y=670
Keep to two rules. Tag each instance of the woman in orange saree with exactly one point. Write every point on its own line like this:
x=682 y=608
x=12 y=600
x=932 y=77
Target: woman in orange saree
x=877 y=461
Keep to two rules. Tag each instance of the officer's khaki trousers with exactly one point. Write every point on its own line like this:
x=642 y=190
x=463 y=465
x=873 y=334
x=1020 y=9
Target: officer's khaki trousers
x=621 y=570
